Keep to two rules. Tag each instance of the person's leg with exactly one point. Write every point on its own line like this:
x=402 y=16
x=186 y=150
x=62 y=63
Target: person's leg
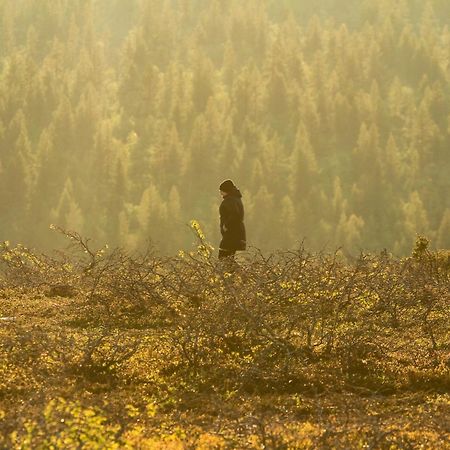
x=223 y=253
x=228 y=263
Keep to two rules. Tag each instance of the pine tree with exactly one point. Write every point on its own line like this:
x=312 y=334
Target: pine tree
x=287 y=224
x=392 y=163
x=8 y=39
x=229 y=64
x=153 y=218
x=278 y=104
x=202 y=166
x=443 y=233
x=86 y=121
x=247 y=94
x=167 y=157
x=14 y=195
x=345 y=113
x=339 y=204
x=303 y=165
x=424 y=133
x=63 y=131
x=213 y=24
x=68 y=214
x=174 y=220
x=116 y=201
x=262 y=231
x=349 y=233
x=203 y=81
x=415 y=221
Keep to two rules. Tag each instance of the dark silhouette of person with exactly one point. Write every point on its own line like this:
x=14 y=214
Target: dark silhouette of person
x=232 y=226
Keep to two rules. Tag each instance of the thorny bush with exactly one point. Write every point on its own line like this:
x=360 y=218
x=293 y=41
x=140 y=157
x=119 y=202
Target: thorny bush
x=284 y=323
x=287 y=321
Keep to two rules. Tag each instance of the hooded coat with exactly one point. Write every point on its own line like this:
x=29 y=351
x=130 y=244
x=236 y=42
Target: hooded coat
x=232 y=226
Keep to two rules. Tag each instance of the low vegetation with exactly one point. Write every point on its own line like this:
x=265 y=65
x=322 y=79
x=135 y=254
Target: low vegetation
x=104 y=349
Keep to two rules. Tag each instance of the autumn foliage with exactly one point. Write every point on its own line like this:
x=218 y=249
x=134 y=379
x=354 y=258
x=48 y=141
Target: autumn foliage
x=101 y=348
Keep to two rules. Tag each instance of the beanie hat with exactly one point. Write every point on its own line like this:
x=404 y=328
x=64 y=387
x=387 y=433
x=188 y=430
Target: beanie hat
x=227 y=186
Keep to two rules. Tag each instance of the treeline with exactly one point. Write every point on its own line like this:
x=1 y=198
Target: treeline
x=119 y=119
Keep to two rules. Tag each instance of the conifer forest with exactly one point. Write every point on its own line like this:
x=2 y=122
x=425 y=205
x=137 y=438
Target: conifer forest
x=121 y=328
x=119 y=119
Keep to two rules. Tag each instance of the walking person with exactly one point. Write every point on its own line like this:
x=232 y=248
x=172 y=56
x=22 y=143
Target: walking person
x=232 y=226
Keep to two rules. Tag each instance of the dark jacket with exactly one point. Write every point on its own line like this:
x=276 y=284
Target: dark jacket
x=232 y=222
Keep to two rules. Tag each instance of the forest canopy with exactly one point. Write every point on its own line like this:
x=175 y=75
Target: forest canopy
x=119 y=119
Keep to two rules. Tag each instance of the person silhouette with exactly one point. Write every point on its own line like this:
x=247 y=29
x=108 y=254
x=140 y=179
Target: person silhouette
x=232 y=226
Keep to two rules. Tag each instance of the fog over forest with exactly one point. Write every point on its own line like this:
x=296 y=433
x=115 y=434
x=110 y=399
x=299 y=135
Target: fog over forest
x=120 y=118
x=125 y=320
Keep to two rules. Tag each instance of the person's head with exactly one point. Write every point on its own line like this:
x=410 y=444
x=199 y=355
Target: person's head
x=226 y=187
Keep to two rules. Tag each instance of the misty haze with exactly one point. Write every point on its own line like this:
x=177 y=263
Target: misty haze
x=133 y=136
